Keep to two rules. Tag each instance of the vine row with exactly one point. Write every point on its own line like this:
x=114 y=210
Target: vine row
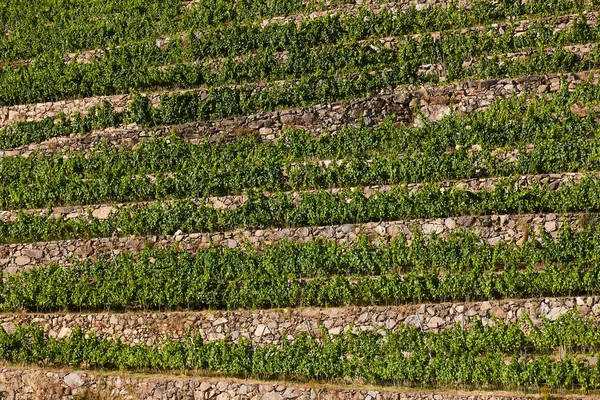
x=309 y=209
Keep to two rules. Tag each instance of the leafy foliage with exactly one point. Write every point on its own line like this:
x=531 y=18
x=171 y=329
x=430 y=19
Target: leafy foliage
x=56 y=26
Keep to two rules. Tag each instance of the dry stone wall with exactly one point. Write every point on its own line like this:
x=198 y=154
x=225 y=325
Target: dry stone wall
x=15 y=258
x=433 y=101
x=35 y=384
x=263 y=327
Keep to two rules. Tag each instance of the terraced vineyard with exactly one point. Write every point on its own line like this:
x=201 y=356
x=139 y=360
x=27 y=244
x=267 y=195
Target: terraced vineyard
x=293 y=199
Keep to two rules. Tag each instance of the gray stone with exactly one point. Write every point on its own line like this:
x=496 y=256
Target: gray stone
x=272 y=396
x=64 y=332
x=428 y=229
x=498 y=312
x=550 y=226
x=261 y=330
x=556 y=312
x=450 y=223
x=74 y=380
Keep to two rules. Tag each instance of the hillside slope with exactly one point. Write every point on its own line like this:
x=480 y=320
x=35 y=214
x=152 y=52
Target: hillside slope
x=299 y=199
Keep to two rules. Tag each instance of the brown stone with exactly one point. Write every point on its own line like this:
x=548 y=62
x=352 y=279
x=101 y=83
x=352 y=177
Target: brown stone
x=102 y=212
x=22 y=260
x=498 y=312
x=84 y=251
x=33 y=253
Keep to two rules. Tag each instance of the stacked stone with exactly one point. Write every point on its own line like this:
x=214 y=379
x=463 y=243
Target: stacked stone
x=265 y=327
x=36 y=384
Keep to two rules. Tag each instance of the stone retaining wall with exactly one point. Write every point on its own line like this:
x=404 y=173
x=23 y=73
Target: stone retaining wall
x=15 y=258
x=36 y=384
x=264 y=327
x=104 y=211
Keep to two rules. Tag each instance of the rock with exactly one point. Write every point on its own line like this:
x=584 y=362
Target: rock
x=84 y=251
x=12 y=270
x=22 y=260
x=467 y=222
x=550 y=226
x=555 y=313
x=498 y=312
x=428 y=229
x=335 y=331
x=291 y=393
x=551 y=217
x=220 y=321
x=380 y=230
x=64 y=331
x=73 y=380
x=393 y=231
x=494 y=241
x=287 y=119
x=309 y=118
x=435 y=322
x=265 y=131
x=33 y=253
x=450 y=223
x=102 y=212
x=390 y=324
x=402 y=98
x=272 y=396
x=261 y=330
x=436 y=112
x=345 y=228
x=9 y=327
x=132 y=244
